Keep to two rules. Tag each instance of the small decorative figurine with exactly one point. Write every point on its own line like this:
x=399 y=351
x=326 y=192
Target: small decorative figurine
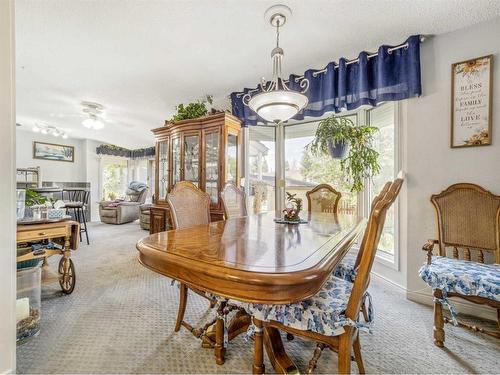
x=293 y=208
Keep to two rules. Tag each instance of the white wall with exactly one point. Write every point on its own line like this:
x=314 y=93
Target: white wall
x=56 y=171
x=93 y=175
x=7 y=190
x=429 y=162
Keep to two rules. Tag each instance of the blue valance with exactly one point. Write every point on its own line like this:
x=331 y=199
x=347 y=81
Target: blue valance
x=391 y=74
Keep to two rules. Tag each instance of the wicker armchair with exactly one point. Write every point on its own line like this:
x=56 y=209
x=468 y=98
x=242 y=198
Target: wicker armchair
x=189 y=206
x=468 y=229
x=234 y=201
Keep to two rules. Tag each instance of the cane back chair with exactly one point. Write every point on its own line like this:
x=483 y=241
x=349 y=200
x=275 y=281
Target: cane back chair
x=335 y=323
x=234 y=201
x=189 y=206
x=323 y=198
x=468 y=219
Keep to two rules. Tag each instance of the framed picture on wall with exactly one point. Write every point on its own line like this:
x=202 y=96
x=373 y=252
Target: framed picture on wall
x=52 y=151
x=471 y=102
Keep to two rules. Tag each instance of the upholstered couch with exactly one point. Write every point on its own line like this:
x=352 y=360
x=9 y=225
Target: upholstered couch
x=121 y=212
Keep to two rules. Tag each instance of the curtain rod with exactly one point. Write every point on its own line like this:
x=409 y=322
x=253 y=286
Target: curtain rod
x=349 y=62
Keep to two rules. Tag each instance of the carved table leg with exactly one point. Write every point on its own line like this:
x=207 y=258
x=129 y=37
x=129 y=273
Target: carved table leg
x=182 y=307
x=258 y=354
x=219 y=349
x=276 y=353
x=438 y=320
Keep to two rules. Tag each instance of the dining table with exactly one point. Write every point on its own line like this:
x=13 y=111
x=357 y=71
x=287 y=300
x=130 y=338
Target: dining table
x=254 y=259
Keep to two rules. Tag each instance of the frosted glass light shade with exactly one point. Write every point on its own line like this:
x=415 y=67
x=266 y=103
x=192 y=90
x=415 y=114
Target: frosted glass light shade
x=278 y=105
x=92 y=124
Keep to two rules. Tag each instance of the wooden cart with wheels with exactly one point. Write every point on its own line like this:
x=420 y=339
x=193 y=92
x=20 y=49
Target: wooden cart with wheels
x=44 y=238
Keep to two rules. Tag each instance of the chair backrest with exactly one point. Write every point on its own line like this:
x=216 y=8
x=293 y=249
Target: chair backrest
x=323 y=198
x=370 y=242
x=468 y=219
x=189 y=206
x=234 y=201
x=136 y=196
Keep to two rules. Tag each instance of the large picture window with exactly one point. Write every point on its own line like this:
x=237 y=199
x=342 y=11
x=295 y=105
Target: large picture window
x=261 y=169
x=383 y=117
x=303 y=170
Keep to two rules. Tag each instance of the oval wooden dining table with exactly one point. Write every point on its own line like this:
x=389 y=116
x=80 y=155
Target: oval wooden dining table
x=255 y=259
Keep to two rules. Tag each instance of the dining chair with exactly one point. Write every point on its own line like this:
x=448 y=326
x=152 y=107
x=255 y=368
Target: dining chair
x=323 y=198
x=348 y=267
x=468 y=223
x=189 y=206
x=234 y=201
x=331 y=317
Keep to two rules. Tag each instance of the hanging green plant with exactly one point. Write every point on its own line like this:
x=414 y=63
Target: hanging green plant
x=341 y=138
x=192 y=110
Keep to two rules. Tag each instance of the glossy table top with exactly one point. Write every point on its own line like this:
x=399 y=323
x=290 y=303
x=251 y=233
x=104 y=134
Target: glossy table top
x=252 y=250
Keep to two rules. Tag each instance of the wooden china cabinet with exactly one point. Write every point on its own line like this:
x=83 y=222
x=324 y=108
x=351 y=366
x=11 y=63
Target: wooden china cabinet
x=205 y=151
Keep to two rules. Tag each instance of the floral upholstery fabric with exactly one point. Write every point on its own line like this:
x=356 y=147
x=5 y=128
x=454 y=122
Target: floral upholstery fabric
x=463 y=277
x=322 y=313
x=345 y=270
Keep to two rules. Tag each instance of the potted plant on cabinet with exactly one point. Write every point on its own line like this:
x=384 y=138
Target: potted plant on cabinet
x=340 y=138
x=192 y=110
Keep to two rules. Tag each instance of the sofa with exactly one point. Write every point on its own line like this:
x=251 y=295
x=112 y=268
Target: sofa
x=127 y=210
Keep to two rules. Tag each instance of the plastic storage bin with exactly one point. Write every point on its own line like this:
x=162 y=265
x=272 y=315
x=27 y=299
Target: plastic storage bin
x=21 y=203
x=28 y=306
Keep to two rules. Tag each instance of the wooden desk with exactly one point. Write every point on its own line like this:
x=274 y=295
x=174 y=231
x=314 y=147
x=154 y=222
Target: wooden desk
x=254 y=259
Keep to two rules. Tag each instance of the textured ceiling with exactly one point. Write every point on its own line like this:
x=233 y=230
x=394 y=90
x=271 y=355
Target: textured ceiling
x=140 y=58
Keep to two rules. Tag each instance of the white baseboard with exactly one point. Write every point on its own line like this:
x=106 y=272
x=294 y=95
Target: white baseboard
x=399 y=286
x=425 y=297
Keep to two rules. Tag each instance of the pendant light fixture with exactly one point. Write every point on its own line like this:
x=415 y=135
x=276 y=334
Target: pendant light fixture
x=275 y=102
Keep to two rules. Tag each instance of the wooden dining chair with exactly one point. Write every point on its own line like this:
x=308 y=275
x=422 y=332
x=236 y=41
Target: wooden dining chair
x=234 y=201
x=468 y=221
x=323 y=198
x=348 y=267
x=331 y=317
x=189 y=206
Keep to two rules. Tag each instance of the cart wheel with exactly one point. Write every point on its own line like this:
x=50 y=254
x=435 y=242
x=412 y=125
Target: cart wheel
x=67 y=282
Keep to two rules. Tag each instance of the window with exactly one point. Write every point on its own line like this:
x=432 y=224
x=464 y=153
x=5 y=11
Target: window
x=261 y=165
x=303 y=170
x=114 y=178
x=385 y=143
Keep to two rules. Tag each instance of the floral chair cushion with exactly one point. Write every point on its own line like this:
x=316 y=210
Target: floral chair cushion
x=463 y=277
x=322 y=313
x=345 y=270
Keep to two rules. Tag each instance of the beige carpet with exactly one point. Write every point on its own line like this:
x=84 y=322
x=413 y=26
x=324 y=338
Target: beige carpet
x=120 y=319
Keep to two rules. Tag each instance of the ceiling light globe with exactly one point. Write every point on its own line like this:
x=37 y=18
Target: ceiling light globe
x=279 y=105
x=44 y=131
x=65 y=136
x=36 y=129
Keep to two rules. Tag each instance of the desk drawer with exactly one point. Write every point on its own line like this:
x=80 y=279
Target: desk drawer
x=40 y=234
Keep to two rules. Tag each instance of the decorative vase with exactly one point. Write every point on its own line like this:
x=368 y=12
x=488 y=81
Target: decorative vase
x=337 y=150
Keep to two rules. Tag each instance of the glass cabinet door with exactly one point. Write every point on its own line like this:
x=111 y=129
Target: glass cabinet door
x=212 y=166
x=192 y=158
x=162 y=169
x=176 y=160
x=232 y=159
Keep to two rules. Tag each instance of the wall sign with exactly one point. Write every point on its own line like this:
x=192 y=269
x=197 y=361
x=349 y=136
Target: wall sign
x=471 y=102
